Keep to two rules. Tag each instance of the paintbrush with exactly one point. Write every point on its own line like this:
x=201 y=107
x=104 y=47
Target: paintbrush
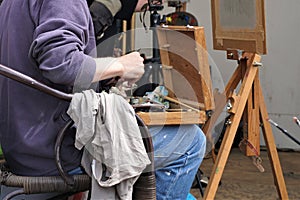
x=297 y=121
x=284 y=131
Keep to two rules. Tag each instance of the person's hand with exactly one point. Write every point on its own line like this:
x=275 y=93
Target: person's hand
x=133 y=67
x=140 y=4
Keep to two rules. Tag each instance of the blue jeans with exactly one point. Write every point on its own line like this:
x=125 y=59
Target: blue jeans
x=178 y=153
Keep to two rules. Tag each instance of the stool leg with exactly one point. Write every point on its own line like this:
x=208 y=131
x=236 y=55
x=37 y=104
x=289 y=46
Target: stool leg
x=198 y=178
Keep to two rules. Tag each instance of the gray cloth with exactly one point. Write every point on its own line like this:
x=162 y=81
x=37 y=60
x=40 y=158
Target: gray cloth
x=112 y=5
x=114 y=150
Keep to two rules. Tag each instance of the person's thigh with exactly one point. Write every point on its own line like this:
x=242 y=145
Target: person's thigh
x=178 y=152
x=172 y=142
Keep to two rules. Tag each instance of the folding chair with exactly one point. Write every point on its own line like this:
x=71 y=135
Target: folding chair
x=64 y=183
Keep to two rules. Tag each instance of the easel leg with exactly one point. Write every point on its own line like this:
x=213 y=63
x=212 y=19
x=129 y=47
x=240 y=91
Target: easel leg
x=272 y=151
x=220 y=102
x=251 y=123
x=230 y=133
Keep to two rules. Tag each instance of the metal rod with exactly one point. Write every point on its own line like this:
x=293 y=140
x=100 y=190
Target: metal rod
x=284 y=131
x=22 y=78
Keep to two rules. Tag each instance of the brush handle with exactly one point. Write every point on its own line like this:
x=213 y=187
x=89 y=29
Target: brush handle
x=284 y=131
x=297 y=121
x=180 y=103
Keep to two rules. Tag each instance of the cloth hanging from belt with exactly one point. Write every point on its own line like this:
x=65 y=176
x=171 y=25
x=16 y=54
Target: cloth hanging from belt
x=114 y=152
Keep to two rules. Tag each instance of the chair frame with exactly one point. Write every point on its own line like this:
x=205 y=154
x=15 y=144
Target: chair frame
x=144 y=188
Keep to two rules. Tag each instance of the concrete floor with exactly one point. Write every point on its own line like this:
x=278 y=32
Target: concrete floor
x=241 y=180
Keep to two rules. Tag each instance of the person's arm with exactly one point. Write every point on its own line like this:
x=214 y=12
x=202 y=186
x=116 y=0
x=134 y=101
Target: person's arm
x=129 y=67
x=62 y=41
x=60 y=46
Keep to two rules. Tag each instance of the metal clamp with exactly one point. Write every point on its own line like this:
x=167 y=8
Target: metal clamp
x=257 y=64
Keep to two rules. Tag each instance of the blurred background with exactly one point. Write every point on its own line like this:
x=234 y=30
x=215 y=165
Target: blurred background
x=280 y=74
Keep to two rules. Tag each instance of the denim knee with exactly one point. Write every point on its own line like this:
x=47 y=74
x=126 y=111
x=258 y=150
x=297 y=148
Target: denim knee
x=172 y=142
x=200 y=139
x=197 y=149
x=175 y=173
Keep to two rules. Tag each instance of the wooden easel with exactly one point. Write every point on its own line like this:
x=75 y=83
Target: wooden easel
x=248 y=102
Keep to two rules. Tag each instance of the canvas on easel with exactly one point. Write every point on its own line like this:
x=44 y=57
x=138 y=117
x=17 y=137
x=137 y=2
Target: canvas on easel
x=239 y=24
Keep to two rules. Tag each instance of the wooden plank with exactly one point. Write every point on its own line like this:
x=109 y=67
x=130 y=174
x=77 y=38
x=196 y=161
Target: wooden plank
x=252 y=133
x=165 y=60
x=173 y=118
x=272 y=150
x=132 y=33
x=204 y=69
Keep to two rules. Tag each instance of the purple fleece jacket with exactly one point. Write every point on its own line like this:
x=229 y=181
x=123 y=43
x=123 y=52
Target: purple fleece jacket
x=48 y=40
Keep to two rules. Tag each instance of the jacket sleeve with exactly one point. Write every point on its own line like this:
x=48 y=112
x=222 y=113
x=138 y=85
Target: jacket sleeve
x=63 y=41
